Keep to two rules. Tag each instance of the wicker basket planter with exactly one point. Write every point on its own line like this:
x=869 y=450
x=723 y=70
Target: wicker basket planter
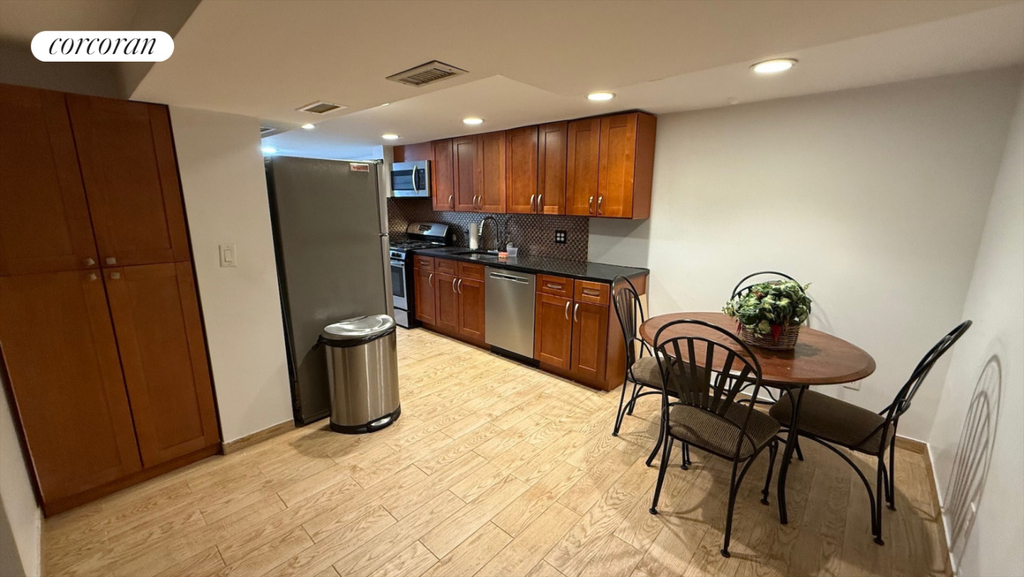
x=785 y=340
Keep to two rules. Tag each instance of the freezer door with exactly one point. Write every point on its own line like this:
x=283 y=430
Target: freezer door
x=332 y=257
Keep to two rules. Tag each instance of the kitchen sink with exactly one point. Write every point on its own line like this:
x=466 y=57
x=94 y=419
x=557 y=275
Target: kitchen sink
x=480 y=255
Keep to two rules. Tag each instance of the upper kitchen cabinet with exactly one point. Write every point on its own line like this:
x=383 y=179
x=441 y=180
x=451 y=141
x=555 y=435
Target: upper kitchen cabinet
x=443 y=176
x=582 y=159
x=521 y=167
x=551 y=153
x=44 y=222
x=611 y=166
x=464 y=181
x=128 y=167
x=490 y=171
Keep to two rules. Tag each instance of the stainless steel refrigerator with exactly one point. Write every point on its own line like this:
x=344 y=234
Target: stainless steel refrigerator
x=331 y=239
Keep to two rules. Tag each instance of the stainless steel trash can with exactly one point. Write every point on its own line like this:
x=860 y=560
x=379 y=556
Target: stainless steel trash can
x=362 y=370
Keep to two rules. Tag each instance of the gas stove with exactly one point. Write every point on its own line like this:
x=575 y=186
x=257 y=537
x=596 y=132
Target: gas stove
x=418 y=236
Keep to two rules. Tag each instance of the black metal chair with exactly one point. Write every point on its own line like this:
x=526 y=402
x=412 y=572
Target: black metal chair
x=704 y=410
x=641 y=367
x=742 y=289
x=831 y=422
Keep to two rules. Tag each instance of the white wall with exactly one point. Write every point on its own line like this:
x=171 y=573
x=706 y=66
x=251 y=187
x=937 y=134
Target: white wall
x=994 y=303
x=17 y=497
x=877 y=196
x=225 y=192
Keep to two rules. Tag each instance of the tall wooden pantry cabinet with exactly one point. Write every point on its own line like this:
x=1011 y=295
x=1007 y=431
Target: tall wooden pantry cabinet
x=100 y=326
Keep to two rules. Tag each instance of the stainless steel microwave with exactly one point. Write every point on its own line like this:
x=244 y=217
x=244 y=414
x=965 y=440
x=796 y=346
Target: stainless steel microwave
x=411 y=179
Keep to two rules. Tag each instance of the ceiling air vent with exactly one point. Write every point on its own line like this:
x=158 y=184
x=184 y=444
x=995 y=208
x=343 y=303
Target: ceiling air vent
x=424 y=74
x=320 y=107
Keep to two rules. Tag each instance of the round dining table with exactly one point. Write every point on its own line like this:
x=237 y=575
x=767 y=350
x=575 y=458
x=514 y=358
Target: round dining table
x=819 y=359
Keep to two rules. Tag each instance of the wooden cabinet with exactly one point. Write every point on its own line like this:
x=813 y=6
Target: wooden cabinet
x=626 y=166
x=589 y=341
x=131 y=180
x=521 y=167
x=159 y=335
x=425 y=289
x=459 y=303
x=447 y=301
x=551 y=159
x=552 y=330
x=44 y=217
x=490 y=172
x=582 y=161
x=472 y=306
x=443 y=174
x=464 y=177
x=105 y=350
x=59 y=347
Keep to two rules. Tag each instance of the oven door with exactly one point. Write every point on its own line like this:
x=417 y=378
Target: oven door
x=398 y=284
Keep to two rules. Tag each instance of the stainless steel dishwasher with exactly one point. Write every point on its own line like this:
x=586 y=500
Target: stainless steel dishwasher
x=509 y=310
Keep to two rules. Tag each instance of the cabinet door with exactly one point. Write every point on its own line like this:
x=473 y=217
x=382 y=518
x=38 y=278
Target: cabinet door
x=618 y=163
x=44 y=219
x=131 y=180
x=472 y=308
x=464 y=172
x=59 y=348
x=589 y=341
x=521 y=188
x=156 y=320
x=491 y=172
x=551 y=168
x=582 y=160
x=423 y=287
x=444 y=183
x=447 y=299
x=552 y=331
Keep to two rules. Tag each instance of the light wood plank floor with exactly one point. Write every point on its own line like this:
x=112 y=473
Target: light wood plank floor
x=493 y=469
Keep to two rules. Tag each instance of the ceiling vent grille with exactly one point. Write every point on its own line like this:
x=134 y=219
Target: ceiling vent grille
x=428 y=73
x=320 y=107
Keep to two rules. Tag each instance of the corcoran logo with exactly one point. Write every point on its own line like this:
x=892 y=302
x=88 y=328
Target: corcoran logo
x=102 y=46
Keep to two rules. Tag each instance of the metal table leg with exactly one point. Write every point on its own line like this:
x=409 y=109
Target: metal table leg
x=787 y=455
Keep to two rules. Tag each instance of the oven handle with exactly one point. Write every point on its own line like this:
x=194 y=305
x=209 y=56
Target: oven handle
x=397 y=263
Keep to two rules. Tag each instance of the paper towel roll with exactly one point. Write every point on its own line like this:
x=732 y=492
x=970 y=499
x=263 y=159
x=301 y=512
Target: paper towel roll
x=474 y=236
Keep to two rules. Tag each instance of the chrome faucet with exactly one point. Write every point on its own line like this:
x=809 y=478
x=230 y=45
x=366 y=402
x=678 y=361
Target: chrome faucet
x=481 y=233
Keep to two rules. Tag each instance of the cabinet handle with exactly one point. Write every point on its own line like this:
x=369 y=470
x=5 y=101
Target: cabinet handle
x=451 y=201
x=115 y=275
x=567 y=309
x=599 y=199
x=460 y=286
x=454 y=280
x=89 y=262
x=590 y=205
x=430 y=279
x=92 y=276
x=591 y=292
x=557 y=287
x=540 y=203
x=574 y=309
x=111 y=260
x=532 y=197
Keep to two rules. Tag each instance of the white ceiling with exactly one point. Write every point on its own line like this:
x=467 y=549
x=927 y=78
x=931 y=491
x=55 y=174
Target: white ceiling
x=532 y=61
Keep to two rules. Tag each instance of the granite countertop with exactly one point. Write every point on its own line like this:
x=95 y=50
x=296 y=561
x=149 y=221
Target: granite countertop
x=592 y=271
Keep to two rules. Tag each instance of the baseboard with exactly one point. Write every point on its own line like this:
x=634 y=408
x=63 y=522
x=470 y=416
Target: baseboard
x=256 y=438
x=914 y=446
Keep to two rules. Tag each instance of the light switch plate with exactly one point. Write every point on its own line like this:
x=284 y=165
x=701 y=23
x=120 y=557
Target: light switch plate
x=228 y=256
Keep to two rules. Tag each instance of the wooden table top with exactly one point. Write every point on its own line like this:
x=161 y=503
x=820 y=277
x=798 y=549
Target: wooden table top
x=819 y=358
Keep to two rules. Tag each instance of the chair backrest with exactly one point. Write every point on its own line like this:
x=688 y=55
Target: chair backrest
x=743 y=286
x=631 y=315
x=906 y=394
x=705 y=367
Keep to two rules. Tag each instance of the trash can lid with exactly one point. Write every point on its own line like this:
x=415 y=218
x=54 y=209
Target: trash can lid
x=357 y=331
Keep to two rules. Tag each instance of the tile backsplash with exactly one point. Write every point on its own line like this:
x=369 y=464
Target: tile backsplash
x=534 y=234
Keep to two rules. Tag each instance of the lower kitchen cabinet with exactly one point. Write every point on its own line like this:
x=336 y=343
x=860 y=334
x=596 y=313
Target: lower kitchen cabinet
x=447 y=302
x=472 y=308
x=69 y=393
x=424 y=289
x=552 y=330
x=158 y=330
x=589 y=341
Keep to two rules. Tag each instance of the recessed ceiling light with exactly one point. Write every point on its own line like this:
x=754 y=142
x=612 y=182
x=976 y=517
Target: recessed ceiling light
x=774 y=66
x=472 y=121
x=268 y=150
x=389 y=136
x=308 y=126
x=600 y=96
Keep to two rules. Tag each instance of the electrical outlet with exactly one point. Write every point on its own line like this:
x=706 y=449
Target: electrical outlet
x=560 y=236
x=854 y=386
